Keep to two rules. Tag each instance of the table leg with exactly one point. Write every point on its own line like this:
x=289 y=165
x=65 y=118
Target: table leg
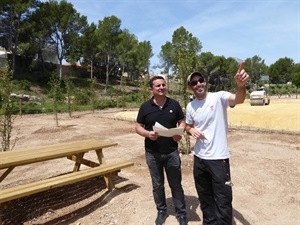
x=107 y=178
x=108 y=181
x=6 y=173
x=100 y=156
x=77 y=163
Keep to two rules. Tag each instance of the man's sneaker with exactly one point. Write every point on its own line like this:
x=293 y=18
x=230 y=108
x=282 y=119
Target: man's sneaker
x=182 y=220
x=161 y=217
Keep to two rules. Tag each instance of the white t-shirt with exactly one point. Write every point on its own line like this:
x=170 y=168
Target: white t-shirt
x=210 y=117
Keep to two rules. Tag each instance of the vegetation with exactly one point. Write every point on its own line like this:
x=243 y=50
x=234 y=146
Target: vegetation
x=114 y=66
x=6 y=109
x=55 y=31
x=70 y=88
x=55 y=94
x=296 y=82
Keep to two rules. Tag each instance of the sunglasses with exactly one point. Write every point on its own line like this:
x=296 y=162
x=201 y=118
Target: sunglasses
x=195 y=82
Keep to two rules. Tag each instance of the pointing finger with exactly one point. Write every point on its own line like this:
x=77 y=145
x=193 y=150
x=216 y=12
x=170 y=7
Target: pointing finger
x=241 y=67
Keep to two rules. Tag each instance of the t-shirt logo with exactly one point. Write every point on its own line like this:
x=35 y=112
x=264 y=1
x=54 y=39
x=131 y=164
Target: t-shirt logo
x=211 y=108
x=171 y=111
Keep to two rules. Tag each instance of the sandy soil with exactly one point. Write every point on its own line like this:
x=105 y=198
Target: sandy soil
x=264 y=164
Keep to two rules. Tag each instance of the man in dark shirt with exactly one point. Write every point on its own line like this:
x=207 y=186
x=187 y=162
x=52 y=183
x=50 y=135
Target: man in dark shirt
x=162 y=152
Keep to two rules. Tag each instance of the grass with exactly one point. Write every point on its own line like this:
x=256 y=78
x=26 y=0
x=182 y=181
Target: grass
x=279 y=115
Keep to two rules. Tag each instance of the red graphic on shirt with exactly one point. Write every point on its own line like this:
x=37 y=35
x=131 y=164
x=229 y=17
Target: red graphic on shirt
x=211 y=108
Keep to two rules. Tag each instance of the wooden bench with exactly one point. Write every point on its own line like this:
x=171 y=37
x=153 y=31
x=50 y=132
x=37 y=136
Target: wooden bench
x=74 y=151
x=20 y=191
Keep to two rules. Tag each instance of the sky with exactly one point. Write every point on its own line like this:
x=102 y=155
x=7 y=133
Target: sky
x=242 y=29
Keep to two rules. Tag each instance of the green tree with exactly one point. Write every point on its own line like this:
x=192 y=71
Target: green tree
x=221 y=75
x=38 y=31
x=6 y=108
x=70 y=88
x=13 y=17
x=165 y=57
x=87 y=43
x=55 y=94
x=281 y=71
x=208 y=62
x=296 y=82
x=183 y=56
x=108 y=37
x=231 y=66
x=126 y=49
x=93 y=96
x=142 y=57
x=256 y=68
x=144 y=92
x=66 y=27
x=186 y=49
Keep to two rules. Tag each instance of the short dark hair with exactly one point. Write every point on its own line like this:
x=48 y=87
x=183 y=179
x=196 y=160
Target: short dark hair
x=153 y=79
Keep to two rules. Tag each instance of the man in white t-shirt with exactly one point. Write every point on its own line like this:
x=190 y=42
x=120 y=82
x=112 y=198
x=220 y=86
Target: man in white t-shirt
x=206 y=121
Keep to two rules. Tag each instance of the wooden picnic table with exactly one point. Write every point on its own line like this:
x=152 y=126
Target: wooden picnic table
x=74 y=151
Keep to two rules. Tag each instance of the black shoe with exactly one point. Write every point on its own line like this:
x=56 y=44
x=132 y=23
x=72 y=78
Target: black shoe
x=182 y=220
x=161 y=217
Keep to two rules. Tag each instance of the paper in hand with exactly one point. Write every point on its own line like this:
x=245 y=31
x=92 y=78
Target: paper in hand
x=165 y=132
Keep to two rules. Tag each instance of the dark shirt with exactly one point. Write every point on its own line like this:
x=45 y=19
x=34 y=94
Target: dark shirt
x=168 y=116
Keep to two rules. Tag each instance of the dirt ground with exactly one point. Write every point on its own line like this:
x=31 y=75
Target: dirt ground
x=264 y=166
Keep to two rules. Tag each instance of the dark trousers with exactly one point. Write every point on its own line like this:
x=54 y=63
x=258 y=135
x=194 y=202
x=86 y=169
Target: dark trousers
x=171 y=164
x=213 y=185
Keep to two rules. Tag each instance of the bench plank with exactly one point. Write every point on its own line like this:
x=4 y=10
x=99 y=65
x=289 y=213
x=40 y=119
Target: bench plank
x=28 y=189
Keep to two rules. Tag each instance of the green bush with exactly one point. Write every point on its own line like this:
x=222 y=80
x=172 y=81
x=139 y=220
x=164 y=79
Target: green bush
x=82 y=96
x=106 y=103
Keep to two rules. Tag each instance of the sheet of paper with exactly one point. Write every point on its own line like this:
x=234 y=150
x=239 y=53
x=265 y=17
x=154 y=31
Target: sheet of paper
x=165 y=132
x=157 y=124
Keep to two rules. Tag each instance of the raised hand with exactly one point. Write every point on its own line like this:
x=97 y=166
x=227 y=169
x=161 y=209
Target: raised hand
x=241 y=77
